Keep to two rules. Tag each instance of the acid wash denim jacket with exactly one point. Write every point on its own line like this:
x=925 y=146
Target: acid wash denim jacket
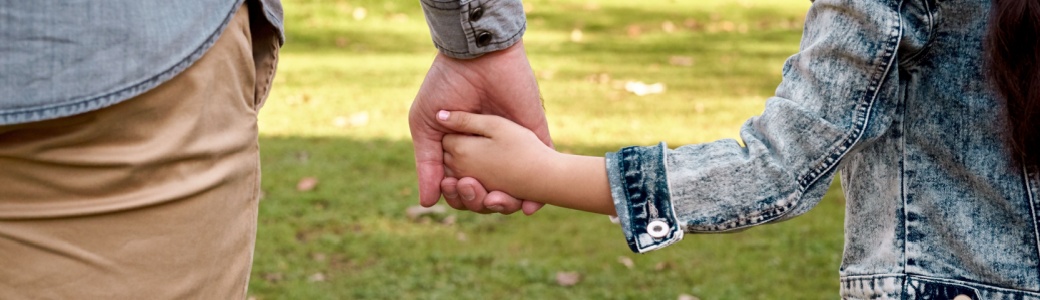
x=893 y=94
x=61 y=58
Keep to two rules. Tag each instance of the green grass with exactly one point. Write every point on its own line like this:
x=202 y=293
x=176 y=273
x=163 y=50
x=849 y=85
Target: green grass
x=338 y=113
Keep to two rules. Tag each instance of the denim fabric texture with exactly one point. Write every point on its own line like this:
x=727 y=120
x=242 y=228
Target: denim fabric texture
x=894 y=95
x=471 y=28
x=61 y=58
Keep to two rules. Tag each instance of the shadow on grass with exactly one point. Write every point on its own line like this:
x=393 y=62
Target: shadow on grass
x=349 y=238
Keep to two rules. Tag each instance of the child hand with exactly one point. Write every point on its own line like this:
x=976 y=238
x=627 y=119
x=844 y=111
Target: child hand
x=500 y=154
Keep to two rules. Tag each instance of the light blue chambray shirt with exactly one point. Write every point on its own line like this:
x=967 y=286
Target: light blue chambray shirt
x=64 y=57
x=60 y=57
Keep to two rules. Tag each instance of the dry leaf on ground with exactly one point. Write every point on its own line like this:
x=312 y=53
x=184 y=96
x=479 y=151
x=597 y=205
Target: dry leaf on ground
x=567 y=278
x=316 y=277
x=417 y=211
x=625 y=260
x=307 y=184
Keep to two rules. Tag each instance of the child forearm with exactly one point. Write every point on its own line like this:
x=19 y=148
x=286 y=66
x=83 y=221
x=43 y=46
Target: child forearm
x=576 y=182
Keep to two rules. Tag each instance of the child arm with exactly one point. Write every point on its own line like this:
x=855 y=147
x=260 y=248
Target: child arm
x=506 y=157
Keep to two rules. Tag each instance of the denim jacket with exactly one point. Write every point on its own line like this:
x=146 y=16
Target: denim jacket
x=61 y=58
x=892 y=93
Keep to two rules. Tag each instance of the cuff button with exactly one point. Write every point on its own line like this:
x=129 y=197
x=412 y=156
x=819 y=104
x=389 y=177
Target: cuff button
x=658 y=229
x=483 y=38
x=476 y=13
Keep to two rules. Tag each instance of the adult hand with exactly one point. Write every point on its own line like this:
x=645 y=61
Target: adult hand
x=498 y=83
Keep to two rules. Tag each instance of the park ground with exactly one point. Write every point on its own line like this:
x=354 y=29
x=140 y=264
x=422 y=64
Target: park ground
x=338 y=170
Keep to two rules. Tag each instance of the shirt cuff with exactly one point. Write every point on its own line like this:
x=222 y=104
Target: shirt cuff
x=639 y=186
x=468 y=29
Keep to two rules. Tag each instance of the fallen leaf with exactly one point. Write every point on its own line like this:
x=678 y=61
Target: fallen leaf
x=682 y=61
x=319 y=257
x=633 y=31
x=567 y=278
x=661 y=266
x=626 y=261
x=307 y=184
x=668 y=26
x=692 y=24
x=449 y=220
x=642 y=89
x=688 y=297
x=417 y=211
x=316 y=277
x=354 y=120
x=272 y=277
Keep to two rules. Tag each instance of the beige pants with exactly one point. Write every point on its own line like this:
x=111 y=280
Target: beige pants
x=152 y=198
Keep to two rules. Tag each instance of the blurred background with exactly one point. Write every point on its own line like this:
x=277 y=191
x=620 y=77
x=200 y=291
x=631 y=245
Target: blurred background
x=339 y=179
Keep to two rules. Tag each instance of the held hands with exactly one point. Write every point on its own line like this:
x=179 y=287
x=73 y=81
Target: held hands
x=507 y=157
x=499 y=83
x=503 y=155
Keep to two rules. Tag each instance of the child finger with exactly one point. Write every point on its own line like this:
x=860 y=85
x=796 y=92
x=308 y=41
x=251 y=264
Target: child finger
x=483 y=125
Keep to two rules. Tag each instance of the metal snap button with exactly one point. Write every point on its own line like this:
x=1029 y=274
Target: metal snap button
x=476 y=13
x=658 y=229
x=962 y=297
x=483 y=38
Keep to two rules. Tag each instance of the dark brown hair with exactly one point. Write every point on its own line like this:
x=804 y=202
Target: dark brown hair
x=1013 y=54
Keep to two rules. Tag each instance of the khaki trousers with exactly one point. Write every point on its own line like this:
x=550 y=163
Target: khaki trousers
x=152 y=198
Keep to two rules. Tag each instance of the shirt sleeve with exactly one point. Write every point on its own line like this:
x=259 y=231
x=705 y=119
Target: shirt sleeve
x=838 y=94
x=470 y=28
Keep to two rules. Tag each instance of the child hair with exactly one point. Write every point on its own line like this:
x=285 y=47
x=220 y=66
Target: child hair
x=1013 y=54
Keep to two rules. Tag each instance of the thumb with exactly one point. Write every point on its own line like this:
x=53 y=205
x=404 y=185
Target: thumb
x=464 y=122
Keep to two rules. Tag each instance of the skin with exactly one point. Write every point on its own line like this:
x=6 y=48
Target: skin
x=507 y=157
x=475 y=85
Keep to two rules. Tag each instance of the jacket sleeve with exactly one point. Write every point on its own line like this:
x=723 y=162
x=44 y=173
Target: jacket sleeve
x=838 y=93
x=470 y=28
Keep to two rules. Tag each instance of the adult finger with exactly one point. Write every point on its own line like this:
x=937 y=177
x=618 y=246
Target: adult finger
x=429 y=166
x=501 y=202
x=472 y=194
x=530 y=207
x=451 y=196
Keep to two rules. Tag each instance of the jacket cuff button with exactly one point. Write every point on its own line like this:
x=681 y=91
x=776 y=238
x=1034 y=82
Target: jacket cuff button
x=476 y=13
x=658 y=229
x=483 y=38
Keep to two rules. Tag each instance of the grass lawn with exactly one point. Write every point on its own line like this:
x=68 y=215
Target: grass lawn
x=338 y=114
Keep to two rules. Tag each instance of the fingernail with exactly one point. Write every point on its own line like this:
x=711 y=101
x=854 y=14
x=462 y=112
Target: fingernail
x=443 y=115
x=496 y=208
x=467 y=193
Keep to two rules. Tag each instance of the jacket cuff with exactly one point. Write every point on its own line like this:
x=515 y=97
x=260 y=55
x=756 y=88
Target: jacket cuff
x=639 y=186
x=468 y=29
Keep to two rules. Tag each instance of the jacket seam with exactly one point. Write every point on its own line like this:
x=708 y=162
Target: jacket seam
x=1032 y=209
x=874 y=89
x=970 y=283
x=927 y=47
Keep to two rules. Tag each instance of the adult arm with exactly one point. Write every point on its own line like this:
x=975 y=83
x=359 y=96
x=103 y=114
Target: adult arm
x=482 y=67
